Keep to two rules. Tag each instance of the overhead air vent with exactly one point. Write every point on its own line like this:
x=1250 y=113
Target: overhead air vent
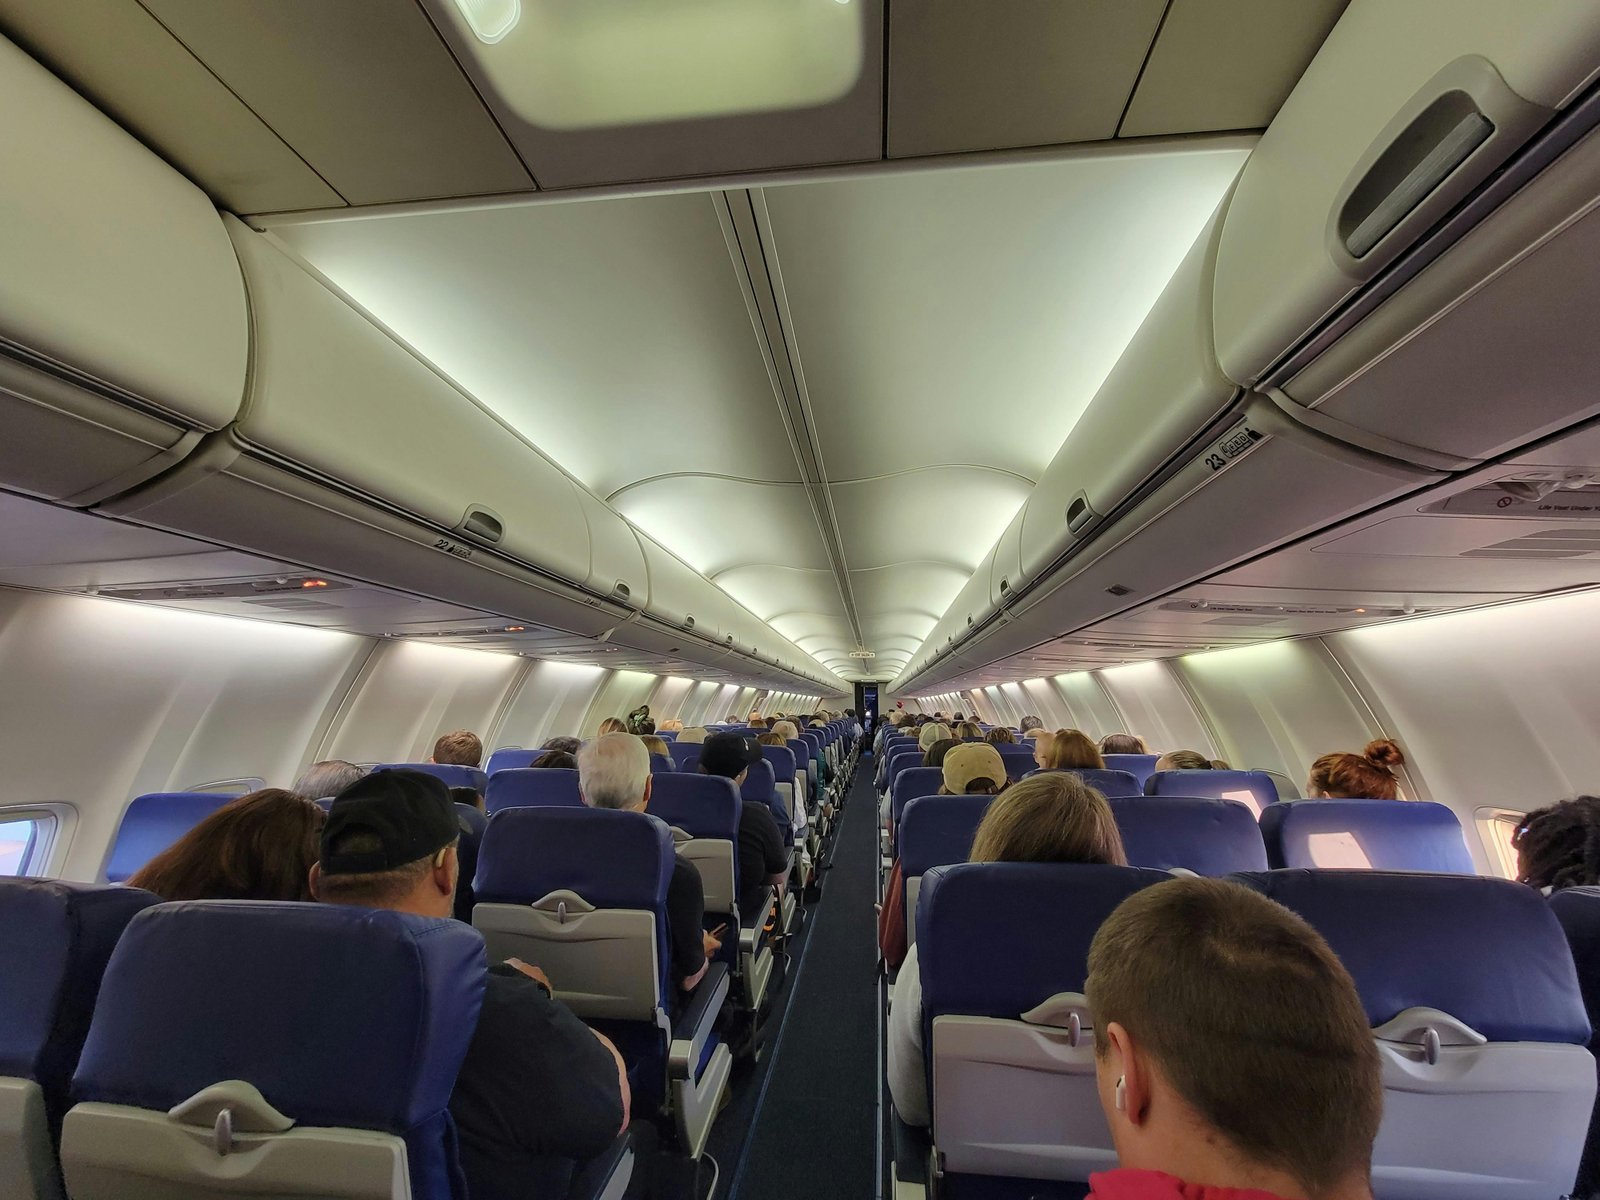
x=1546 y=543
x=1268 y=613
x=1117 y=589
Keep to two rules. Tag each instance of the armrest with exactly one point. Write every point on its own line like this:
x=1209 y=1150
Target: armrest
x=912 y=1148
x=694 y=1025
x=606 y=1175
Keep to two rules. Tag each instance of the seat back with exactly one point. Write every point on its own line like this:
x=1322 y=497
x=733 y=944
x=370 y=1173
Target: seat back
x=684 y=754
x=901 y=760
x=661 y=763
x=1388 y=835
x=911 y=785
x=703 y=812
x=1471 y=993
x=935 y=831
x=583 y=893
x=1140 y=766
x=1007 y=1037
x=760 y=786
x=1199 y=834
x=1110 y=784
x=1019 y=760
x=450 y=774
x=782 y=761
x=222 y=1062
x=533 y=787
x=55 y=941
x=1254 y=789
x=1578 y=910
x=152 y=823
x=506 y=760
x=471 y=823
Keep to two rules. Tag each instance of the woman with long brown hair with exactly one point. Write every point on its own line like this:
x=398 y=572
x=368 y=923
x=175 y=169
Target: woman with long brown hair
x=1072 y=749
x=1052 y=818
x=1365 y=776
x=258 y=847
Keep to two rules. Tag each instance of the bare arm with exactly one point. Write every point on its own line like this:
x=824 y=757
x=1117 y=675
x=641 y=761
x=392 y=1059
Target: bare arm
x=622 y=1079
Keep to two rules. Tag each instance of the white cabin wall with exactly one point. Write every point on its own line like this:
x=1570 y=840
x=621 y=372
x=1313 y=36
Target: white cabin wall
x=1090 y=706
x=1155 y=706
x=551 y=701
x=411 y=692
x=104 y=701
x=619 y=694
x=668 y=699
x=1046 y=703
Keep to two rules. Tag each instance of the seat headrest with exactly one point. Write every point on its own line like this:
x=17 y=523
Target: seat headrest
x=1487 y=951
x=533 y=787
x=759 y=782
x=702 y=805
x=1578 y=910
x=1110 y=784
x=1389 y=835
x=450 y=774
x=684 y=753
x=152 y=823
x=339 y=1016
x=1203 y=835
x=55 y=941
x=1140 y=766
x=503 y=760
x=1019 y=760
x=911 y=784
x=937 y=831
x=1035 y=919
x=661 y=763
x=781 y=759
x=1252 y=788
x=612 y=859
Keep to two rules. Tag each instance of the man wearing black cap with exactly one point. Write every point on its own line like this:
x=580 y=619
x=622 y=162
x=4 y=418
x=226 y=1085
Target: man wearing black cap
x=538 y=1088
x=763 y=862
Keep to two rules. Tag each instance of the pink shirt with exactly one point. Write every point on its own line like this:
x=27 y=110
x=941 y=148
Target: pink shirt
x=1157 y=1185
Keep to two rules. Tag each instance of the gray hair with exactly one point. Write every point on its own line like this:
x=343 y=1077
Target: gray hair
x=328 y=778
x=613 y=770
x=1028 y=723
x=788 y=730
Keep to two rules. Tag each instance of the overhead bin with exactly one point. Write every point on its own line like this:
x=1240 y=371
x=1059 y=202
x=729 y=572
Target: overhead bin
x=1491 y=346
x=1407 y=108
x=123 y=329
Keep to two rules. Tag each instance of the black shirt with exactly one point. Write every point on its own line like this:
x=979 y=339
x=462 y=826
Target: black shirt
x=536 y=1091
x=686 y=909
x=761 y=854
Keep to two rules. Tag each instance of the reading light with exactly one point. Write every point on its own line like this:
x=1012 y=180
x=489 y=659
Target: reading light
x=313 y=583
x=515 y=628
x=490 y=20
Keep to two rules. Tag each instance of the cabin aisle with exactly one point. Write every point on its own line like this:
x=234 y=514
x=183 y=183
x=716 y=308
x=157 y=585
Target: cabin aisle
x=815 y=1128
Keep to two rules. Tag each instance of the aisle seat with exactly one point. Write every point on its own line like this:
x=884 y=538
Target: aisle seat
x=583 y=893
x=935 y=831
x=1471 y=993
x=1386 y=835
x=1200 y=834
x=533 y=787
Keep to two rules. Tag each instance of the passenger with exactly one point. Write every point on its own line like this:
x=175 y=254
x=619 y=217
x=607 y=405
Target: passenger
x=936 y=753
x=1000 y=736
x=611 y=725
x=972 y=769
x=755 y=718
x=1220 y=764
x=1183 y=760
x=672 y=725
x=1559 y=846
x=1074 y=750
x=763 y=861
x=460 y=749
x=657 y=747
x=771 y=739
x=787 y=730
x=968 y=731
x=1122 y=743
x=639 y=722
x=327 y=778
x=1211 y=1095
x=559 y=759
x=733 y=719
x=1044 y=747
x=1045 y=818
x=471 y=797
x=692 y=736
x=1028 y=724
x=614 y=772
x=537 y=1086
x=258 y=847
x=567 y=745
x=930 y=733
x=1365 y=776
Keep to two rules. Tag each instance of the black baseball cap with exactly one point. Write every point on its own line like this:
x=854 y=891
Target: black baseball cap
x=408 y=812
x=727 y=754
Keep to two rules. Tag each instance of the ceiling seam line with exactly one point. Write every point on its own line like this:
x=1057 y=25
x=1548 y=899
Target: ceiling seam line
x=1143 y=66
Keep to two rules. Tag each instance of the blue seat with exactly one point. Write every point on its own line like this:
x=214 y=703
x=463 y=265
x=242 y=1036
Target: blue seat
x=1203 y=835
x=660 y=763
x=685 y=754
x=506 y=760
x=583 y=892
x=533 y=787
x=55 y=941
x=903 y=760
x=1254 y=789
x=1019 y=760
x=152 y=823
x=1578 y=910
x=472 y=823
x=1110 y=784
x=1470 y=990
x=781 y=760
x=1388 y=835
x=1140 y=766
x=451 y=774
x=909 y=785
x=935 y=831
x=707 y=809
x=760 y=785
x=667 y=735
x=234 y=1004
x=998 y=943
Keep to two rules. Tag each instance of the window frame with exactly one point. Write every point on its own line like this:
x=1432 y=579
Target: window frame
x=240 y=786
x=1496 y=846
x=53 y=827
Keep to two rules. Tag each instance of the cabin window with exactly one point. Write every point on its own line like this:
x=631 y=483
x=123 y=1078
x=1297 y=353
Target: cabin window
x=1495 y=828
x=25 y=843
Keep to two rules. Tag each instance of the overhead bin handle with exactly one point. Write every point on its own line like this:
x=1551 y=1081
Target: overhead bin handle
x=482 y=525
x=1079 y=513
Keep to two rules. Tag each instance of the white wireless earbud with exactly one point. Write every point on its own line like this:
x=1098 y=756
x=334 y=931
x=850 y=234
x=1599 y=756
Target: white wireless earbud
x=1120 y=1097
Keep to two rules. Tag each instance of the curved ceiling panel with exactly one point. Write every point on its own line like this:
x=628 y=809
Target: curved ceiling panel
x=715 y=524
x=928 y=525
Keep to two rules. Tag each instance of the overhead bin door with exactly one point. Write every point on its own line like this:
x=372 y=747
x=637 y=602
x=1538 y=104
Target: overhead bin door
x=1408 y=106
x=122 y=313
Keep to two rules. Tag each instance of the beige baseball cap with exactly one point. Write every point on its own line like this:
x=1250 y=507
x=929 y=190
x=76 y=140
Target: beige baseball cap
x=970 y=761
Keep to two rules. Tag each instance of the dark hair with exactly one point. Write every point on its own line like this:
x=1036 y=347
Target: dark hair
x=461 y=748
x=1000 y=736
x=258 y=847
x=1122 y=743
x=1559 y=846
x=562 y=742
x=1365 y=776
x=556 y=758
x=936 y=752
x=467 y=796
